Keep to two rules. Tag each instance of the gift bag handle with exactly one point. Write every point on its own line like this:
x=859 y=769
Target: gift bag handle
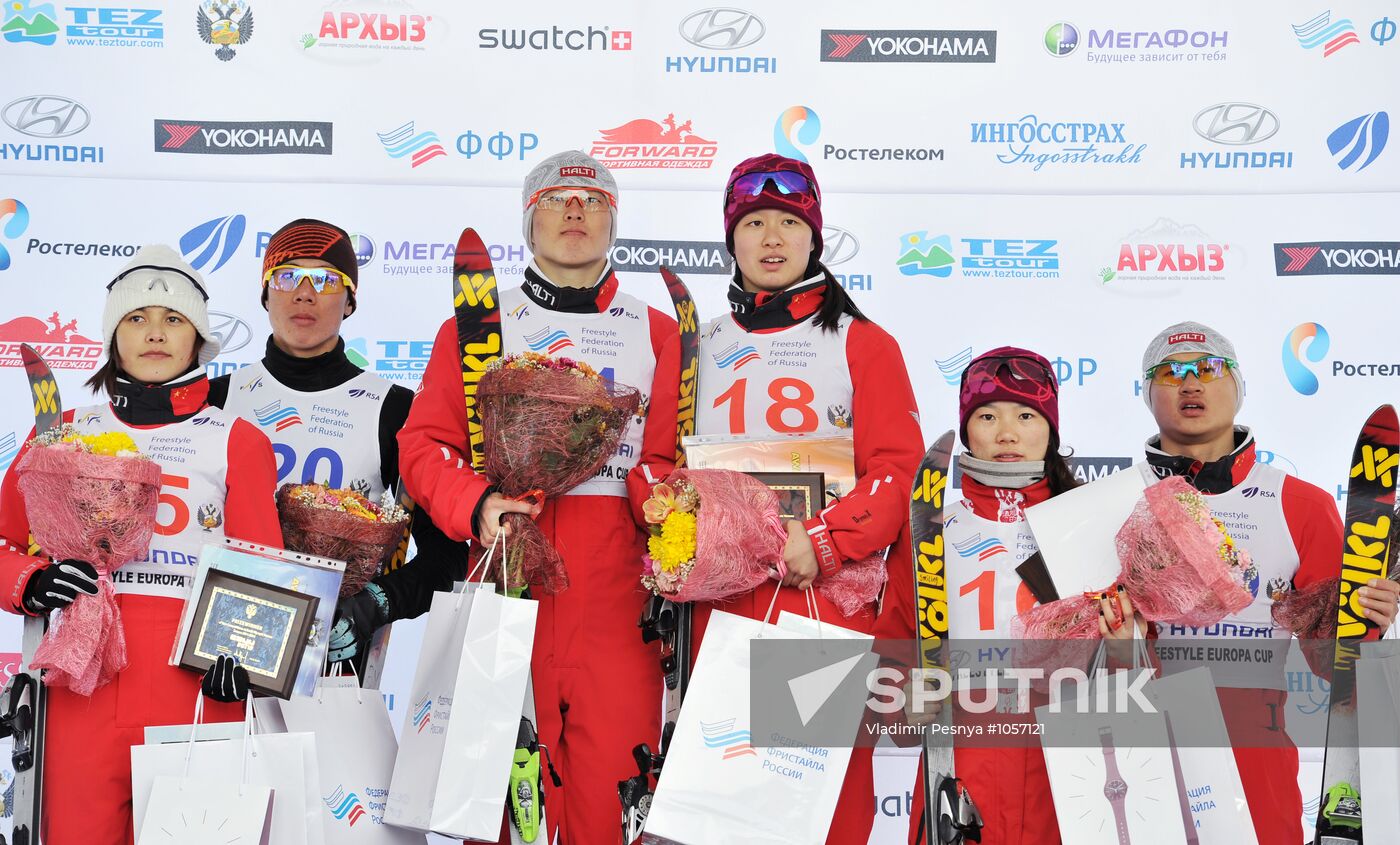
x=336 y=671
x=247 y=737
x=484 y=565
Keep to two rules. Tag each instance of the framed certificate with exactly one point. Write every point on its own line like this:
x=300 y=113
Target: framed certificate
x=264 y=626
x=800 y=494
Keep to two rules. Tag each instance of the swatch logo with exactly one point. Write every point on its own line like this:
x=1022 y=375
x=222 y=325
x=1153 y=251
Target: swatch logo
x=982 y=549
x=1363 y=137
x=1298 y=374
x=796 y=125
x=735 y=357
x=220 y=236
x=15 y=216
x=422 y=714
x=277 y=416
x=548 y=340
x=1321 y=30
x=736 y=743
x=422 y=147
x=345 y=806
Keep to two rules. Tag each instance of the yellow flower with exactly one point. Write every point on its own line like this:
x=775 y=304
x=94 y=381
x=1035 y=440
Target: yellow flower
x=106 y=443
x=675 y=544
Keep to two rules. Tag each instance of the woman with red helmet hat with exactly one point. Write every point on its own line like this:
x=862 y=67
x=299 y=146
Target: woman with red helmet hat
x=1009 y=421
x=822 y=369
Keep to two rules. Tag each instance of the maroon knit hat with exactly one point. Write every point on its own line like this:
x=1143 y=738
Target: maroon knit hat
x=806 y=206
x=1009 y=374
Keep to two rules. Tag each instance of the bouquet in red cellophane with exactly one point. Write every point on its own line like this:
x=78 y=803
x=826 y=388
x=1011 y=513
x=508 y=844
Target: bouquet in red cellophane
x=1179 y=566
x=716 y=533
x=89 y=497
x=341 y=524
x=548 y=425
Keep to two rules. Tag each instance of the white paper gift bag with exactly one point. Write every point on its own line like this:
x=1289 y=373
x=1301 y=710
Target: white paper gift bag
x=716 y=787
x=285 y=763
x=1378 y=702
x=196 y=811
x=355 y=750
x=1206 y=765
x=455 y=783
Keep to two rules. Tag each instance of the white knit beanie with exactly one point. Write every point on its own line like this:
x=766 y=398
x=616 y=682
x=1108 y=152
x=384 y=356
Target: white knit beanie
x=157 y=275
x=1190 y=337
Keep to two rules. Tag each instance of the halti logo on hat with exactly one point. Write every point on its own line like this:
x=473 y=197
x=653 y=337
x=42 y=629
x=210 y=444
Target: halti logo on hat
x=578 y=170
x=1186 y=337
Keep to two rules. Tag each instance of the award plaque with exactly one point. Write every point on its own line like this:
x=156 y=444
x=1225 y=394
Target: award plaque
x=801 y=495
x=264 y=626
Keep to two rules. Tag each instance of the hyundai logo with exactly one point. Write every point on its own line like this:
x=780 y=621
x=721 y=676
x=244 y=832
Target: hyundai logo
x=838 y=246
x=722 y=28
x=1236 y=123
x=233 y=333
x=46 y=116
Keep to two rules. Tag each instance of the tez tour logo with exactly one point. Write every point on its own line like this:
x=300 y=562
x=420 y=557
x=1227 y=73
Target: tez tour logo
x=345 y=805
x=275 y=415
x=736 y=743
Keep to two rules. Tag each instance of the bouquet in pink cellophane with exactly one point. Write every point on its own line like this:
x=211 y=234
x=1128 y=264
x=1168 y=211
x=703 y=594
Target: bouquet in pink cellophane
x=716 y=533
x=89 y=497
x=1179 y=565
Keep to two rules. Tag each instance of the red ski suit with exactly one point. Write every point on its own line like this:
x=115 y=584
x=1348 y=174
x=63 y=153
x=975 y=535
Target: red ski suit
x=1266 y=756
x=597 y=685
x=1009 y=785
x=87 y=757
x=859 y=368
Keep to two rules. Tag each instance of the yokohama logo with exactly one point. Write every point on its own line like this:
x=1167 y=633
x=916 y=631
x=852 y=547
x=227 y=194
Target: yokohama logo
x=178 y=135
x=1186 y=337
x=909 y=45
x=1329 y=258
x=842 y=45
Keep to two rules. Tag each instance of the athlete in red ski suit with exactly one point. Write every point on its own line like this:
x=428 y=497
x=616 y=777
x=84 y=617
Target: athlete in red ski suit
x=229 y=465
x=850 y=377
x=597 y=685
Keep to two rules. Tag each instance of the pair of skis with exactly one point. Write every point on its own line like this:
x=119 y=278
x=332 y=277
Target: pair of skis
x=23 y=705
x=1365 y=554
x=476 y=310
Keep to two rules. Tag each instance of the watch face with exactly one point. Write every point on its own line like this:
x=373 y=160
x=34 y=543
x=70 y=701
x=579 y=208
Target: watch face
x=1115 y=789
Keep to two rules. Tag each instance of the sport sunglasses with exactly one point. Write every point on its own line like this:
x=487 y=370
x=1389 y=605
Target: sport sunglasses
x=1206 y=369
x=324 y=280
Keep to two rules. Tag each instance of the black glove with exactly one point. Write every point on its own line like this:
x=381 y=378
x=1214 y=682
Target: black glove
x=225 y=681
x=56 y=585
x=357 y=617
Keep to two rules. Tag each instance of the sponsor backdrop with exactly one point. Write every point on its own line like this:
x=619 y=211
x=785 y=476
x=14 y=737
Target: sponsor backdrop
x=1070 y=178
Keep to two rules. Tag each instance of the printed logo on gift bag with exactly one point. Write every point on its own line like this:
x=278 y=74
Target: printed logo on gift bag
x=344 y=806
x=423 y=713
x=723 y=735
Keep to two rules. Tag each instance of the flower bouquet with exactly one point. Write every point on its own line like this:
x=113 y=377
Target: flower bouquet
x=548 y=425
x=341 y=524
x=716 y=533
x=1179 y=565
x=89 y=497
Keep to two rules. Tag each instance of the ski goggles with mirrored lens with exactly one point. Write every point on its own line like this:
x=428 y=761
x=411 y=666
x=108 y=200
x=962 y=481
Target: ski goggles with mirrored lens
x=1207 y=369
x=1017 y=372
x=591 y=200
x=788 y=183
x=324 y=280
